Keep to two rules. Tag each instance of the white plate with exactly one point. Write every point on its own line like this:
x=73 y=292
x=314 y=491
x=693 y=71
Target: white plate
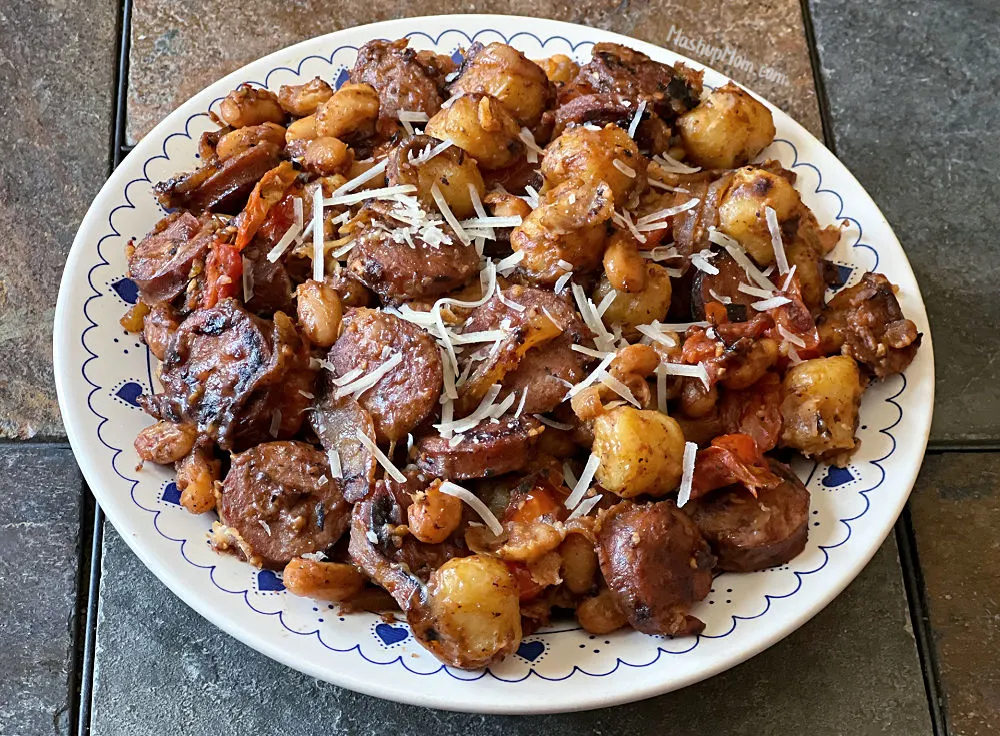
x=100 y=370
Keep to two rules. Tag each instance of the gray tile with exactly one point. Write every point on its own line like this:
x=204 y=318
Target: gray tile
x=56 y=68
x=176 y=49
x=955 y=511
x=40 y=518
x=912 y=88
x=161 y=669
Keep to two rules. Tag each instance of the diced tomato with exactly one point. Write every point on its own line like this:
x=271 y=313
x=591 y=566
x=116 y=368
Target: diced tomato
x=527 y=588
x=541 y=500
x=223 y=273
x=280 y=217
x=269 y=191
x=731 y=459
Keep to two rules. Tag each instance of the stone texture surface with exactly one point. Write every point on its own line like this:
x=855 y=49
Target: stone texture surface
x=39 y=556
x=56 y=69
x=955 y=512
x=916 y=123
x=179 y=46
x=162 y=669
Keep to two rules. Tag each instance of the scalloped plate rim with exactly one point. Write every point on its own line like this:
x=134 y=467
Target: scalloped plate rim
x=485 y=697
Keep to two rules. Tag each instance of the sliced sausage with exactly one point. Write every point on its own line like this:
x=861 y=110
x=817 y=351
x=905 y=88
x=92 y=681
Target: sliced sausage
x=706 y=288
x=272 y=287
x=866 y=323
x=280 y=499
x=336 y=423
x=657 y=564
x=218 y=363
x=404 y=79
x=162 y=263
x=619 y=70
x=750 y=533
x=400 y=270
x=544 y=370
x=488 y=450
x=403 y=397
x=220 y=186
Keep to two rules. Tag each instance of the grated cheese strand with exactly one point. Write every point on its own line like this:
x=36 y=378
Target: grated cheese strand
x=336 y=470
x=583 y=484
x=318 y=256
x=358 y=387
x=364 y=178
x=687 y=475
x=380 y=193
x=449 y=216
x=453 y=489
x=585 y=507
x=780 y=258
x=636 y=119
x=380 y=457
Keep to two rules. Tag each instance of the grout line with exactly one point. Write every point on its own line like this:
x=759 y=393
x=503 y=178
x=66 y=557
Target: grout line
x=822 y=101
x=913 y=581
x=84 y=667
x=86 y=664
x=905 y=542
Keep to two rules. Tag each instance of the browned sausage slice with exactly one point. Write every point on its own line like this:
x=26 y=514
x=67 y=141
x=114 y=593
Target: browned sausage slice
x=545 y=370
x=750 y=533
x=217 y=367
x=488 y=450
x=400 y=270
x=619 y=70
x=404 y=396
x=161 y=264
x=404 y=79
x=273 y=290
x=657 y=564
x=707 y=287
x=281 y=501
x=336 y=423
x=220 y=186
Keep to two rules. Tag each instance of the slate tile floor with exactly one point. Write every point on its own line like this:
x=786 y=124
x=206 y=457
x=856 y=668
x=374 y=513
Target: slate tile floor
x=906 y=95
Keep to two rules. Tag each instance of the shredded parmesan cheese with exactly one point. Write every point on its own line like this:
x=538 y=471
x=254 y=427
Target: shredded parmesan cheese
x=358 y=387
x=583 y=484
x=380 y=457
x=772 y=303
x=585 y=507
x=687 y=473
x=533 y=151
x=667 y=212
x=453 y=489
x=624 y=168
x=719 y=298
x=335 y=468
x=449 y=216
x=364 y=178
x=620 y=388
x=691 y=371
x=318 y=256
x=661 y=388
x=380 y=193
x=780 y=257
x=552 y=422
x=674 y=166
x=636 y=119
x=754 y=291
x=591 y=352
x=791 y=337
x=286 y=240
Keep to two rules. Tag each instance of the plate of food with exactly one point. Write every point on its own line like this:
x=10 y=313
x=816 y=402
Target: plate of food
x=493 y=370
